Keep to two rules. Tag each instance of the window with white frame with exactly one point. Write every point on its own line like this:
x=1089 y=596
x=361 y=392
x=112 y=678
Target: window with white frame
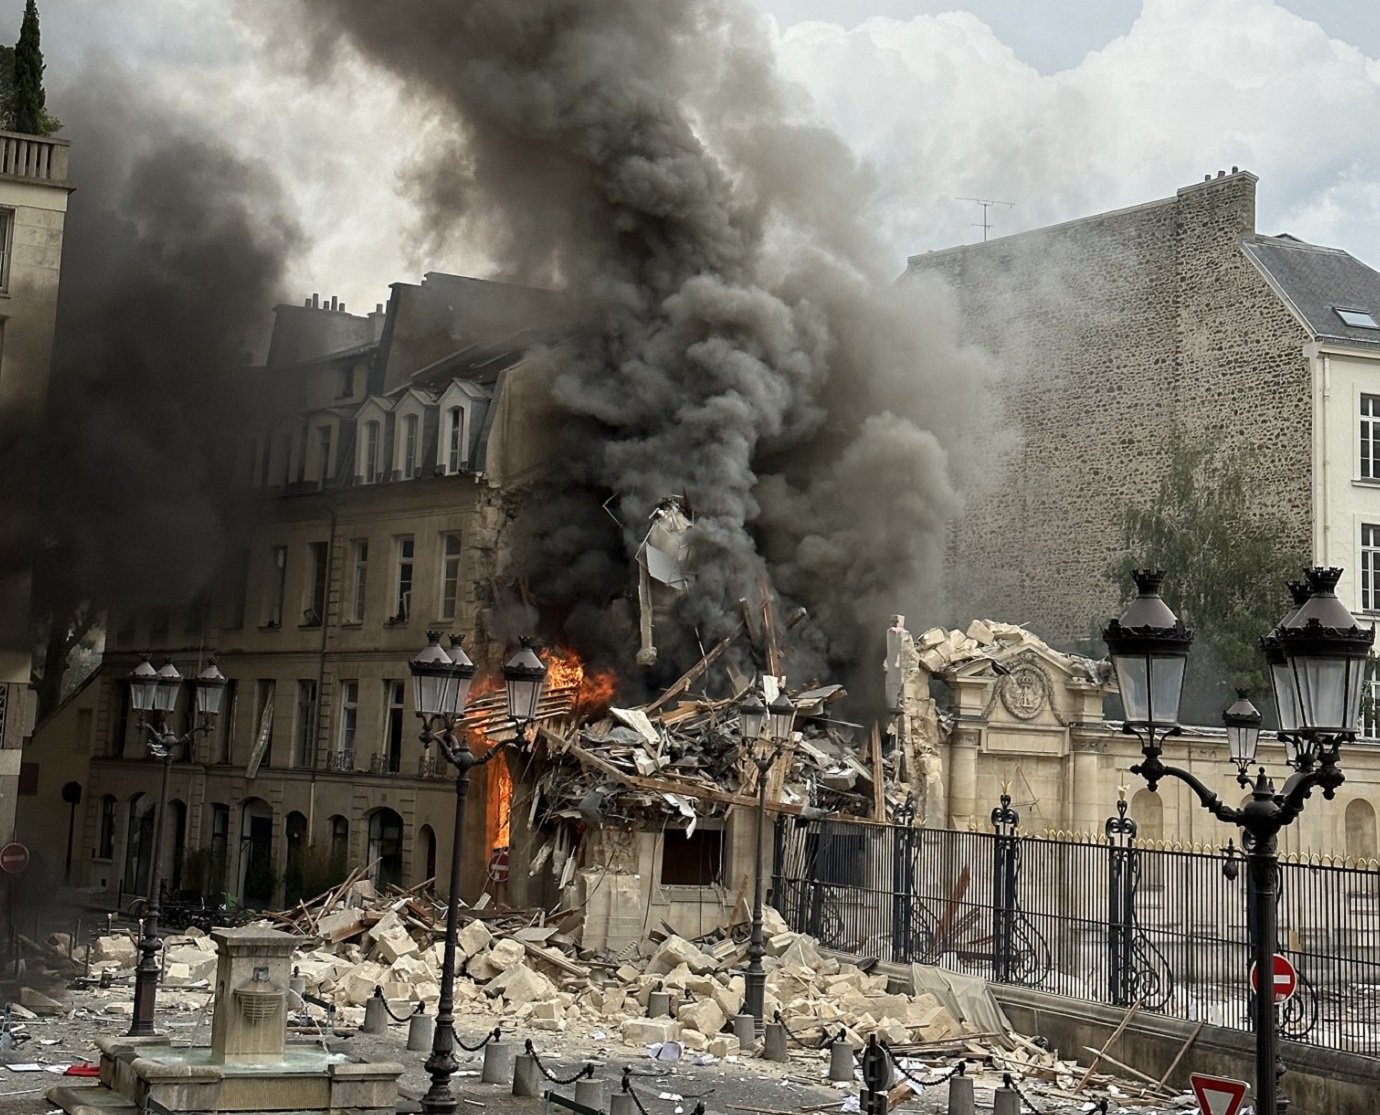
x=349 y=723
x=403 y=547
x=1370 y=437
x=1370 y=567
x=450 y=574
x=372 y=448
x=455 y=439
x=6 y=238
x=359 y=577
x=394 y=722
x=1370 y=705
x=410 y=448
x=305 y=735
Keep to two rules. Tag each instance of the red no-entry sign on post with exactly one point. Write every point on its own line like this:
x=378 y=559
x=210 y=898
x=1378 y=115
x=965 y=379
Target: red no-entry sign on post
x=1286 y=979
x=1217 y=1095
x=14 y=858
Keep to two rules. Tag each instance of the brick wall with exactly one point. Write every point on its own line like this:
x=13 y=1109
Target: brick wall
x=1110 y=331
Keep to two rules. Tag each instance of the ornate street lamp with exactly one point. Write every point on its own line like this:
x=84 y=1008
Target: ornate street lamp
x=1317 y=657
x=153 y=696
x=779 y=719
x=440 y=688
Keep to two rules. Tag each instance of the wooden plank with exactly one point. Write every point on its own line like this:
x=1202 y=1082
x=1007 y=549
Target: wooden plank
x=1125 y=1021
x=1198 y=1029
x=773 y=646
x=1155 y=1084
x=687 y=679
x=878 y=774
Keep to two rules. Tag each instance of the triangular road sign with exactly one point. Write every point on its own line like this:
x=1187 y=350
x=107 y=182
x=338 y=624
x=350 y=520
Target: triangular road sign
x=1218 y=1095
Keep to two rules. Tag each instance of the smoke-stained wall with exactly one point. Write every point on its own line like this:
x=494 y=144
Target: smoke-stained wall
x=734 y=339
x=1111 y=332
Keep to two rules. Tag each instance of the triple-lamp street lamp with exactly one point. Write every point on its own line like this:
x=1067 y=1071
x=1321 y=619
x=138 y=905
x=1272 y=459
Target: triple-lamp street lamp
x=440 y=687
x=1316 y=657
x=153 y=695
x=766 y=730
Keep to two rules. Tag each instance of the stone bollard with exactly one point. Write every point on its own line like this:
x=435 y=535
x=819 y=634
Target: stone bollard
x=375 y=1014
x=961 y=1095
x=590 y=1093
x=658 y=1004
x=774 y=1041
x=526 y=1076
x=745 y=1030
x=840 y=1060
x=1005 y=1101
x=297 y=984
x=421 y=1028
x=622 y=1103
x=498 y=1063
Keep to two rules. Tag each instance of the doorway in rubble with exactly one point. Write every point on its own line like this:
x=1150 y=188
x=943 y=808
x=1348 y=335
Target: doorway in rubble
x=256 y=879
x=385 y=847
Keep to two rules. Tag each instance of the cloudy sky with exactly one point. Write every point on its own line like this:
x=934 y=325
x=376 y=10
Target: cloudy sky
x=1061 y=108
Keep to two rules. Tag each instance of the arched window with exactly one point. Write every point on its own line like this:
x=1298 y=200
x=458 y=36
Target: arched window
x=295 y=829
x=385 y=847
x=1361 y=830
x=339 y=844
x=455 y=439
x=139 y=844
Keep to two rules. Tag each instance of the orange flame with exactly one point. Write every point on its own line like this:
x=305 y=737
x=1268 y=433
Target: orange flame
x=594 y=689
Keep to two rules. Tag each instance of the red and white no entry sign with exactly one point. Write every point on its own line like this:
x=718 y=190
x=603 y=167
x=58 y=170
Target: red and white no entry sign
x=1217 y=1095
x=14 y=858
x=1286 y=979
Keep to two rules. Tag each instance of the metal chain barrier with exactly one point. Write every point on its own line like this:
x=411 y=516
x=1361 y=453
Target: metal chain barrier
x=628 y=1090
x=959 y=1069
x=587 y=1071
x=421 y=1008
x=492 y=1035
x=1010 y=1082
x=792 y=1036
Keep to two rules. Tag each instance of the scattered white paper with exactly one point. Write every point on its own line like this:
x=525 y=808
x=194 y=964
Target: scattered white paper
x=24 y=1066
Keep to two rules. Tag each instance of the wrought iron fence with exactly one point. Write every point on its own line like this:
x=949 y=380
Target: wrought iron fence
x=1102 y=918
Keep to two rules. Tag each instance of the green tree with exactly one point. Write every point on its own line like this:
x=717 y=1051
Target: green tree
x=1226 y=572
x=26 y=103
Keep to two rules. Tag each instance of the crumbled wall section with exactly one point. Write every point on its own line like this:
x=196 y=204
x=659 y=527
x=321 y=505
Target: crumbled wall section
x=1112 y=330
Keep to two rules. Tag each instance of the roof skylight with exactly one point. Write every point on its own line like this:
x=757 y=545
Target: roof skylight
x=1360 y=319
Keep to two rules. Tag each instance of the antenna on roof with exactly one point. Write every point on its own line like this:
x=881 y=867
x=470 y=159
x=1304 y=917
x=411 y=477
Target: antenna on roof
x=986 y=204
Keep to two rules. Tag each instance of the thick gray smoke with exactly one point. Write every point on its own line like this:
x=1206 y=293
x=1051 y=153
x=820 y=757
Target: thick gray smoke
x=173 y=251
x=742 y=342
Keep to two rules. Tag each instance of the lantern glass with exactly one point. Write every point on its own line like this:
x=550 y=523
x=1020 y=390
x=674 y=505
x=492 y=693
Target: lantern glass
x=1325 y=650
x=464 y=675
x=782 y=714
x=1149 y=647
x=525 y=676
x=167 y=689
x=210 y=689
x=1242 y=721
x=1329 y=692
x=1286 y=698
x=143 y=684
x=752 y=717
x=435 y=681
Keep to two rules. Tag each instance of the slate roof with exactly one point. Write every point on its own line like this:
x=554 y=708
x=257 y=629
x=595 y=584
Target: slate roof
x=1316 y=282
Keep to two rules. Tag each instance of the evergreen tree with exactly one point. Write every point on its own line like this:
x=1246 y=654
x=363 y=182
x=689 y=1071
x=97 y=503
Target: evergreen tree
x=26 y=102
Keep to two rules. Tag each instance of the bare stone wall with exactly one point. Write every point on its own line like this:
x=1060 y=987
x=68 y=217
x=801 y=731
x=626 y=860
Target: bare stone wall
x=1111 y=331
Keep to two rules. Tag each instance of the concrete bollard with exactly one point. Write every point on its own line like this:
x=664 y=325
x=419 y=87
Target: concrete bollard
x=421 y=1028
x=774 y=1042
x=590 y=1093
x=1005 y=1101
x=622 y=1103
x=498 y=1063
x=961 y=1095
x=745 y=1030
x=375 y=1014
x=658 y=1004
x=526 y=1076
x=840 y=1061
x=297 y=984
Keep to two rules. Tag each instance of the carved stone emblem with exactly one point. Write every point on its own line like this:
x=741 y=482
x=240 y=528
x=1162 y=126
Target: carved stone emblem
x=1023 y=691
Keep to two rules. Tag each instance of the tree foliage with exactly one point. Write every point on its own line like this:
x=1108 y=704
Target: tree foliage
x=26 y=104
x=1226 y=571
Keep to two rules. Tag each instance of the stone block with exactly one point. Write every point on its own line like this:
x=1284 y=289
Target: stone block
x=40 y=1003
x=704 y=1015
x=644 y=1031
x=506 y=952
x=549 y=1009
x=200 y=965
x=675 y=951
x=117 y=949
x=677 y=977
x=723 y=1045
x=474 y=938
x=519 y=984
x=694 y=1041
x=730 y=999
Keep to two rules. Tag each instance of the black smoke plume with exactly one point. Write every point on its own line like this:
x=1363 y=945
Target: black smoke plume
x=740 y=341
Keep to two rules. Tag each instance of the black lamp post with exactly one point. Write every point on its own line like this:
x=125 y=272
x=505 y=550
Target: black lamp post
x=153 y=695
x=440 y=687
x=1317 y=656
x=778 y=719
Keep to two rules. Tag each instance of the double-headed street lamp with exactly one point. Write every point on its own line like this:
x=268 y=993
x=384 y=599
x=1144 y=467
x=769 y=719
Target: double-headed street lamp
x=766 y=731
x=440 y=687
x=153 y=695
x=1317 y=657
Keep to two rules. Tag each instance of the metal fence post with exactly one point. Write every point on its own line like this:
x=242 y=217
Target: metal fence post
x=1005 y=820
x=1121 y=899
x=902 y=881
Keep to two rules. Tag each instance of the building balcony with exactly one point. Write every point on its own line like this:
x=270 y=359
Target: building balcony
x=33 y=158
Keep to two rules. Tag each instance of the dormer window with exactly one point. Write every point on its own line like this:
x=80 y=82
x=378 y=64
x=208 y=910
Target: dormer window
x=323 y=454
x=1357 y=319
x=455 y=439
x=410 y=447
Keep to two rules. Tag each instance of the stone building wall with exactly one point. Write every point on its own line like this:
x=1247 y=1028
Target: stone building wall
x=1112 y=331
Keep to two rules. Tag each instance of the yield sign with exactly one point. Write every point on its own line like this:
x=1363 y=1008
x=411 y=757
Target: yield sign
x=1218 y=1095
x=1285 y=978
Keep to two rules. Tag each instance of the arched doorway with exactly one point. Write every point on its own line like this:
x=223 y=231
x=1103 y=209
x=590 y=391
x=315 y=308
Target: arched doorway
x=385 y=847
x=256 y=879
x=339 y=828
x=295 y=829
x=175 y=843
x=1361 y=830
x=139 y=844
x=426 y=838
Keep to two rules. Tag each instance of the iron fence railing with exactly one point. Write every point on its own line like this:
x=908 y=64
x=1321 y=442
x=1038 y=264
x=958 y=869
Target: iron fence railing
x=1103 y=918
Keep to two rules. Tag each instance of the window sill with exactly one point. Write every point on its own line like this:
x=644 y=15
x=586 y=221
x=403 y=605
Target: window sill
x=270 y=627
x=352 y=625
x=1365 y=482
